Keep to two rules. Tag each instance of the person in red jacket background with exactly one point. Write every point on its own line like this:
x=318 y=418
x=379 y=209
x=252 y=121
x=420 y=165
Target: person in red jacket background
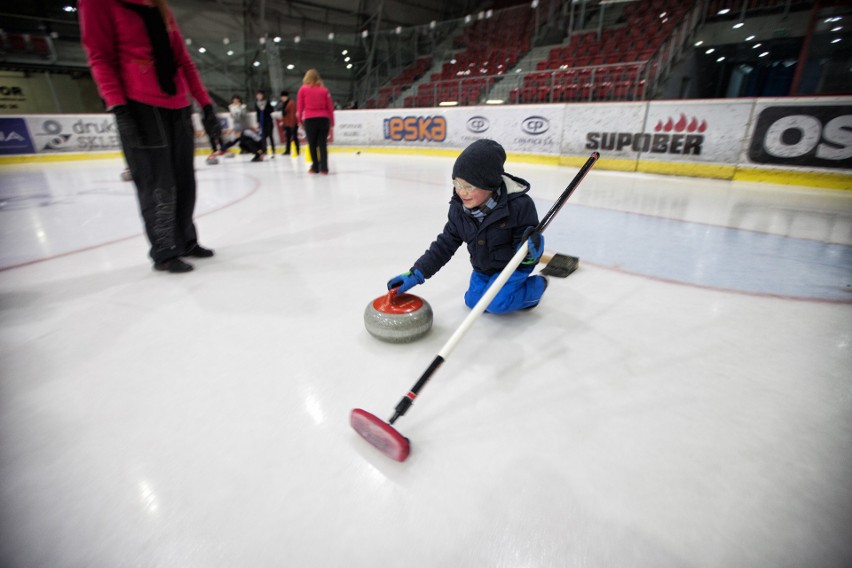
x=288 y=122
x=144 y=74
x=315 y=112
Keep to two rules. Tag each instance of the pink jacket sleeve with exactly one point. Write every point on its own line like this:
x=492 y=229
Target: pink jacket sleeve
x=98 y=36
x=330 y=104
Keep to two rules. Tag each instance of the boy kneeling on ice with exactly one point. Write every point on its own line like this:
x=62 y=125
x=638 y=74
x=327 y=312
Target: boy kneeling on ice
x=491 y=212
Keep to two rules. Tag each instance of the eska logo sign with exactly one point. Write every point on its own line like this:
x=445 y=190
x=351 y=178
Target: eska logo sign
x=416 y=128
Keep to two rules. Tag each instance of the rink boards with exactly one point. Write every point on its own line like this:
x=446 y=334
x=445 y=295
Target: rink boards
x=799 y=141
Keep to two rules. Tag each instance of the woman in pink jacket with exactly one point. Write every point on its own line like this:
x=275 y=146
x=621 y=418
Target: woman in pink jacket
x=144 y=74
x=315 y=112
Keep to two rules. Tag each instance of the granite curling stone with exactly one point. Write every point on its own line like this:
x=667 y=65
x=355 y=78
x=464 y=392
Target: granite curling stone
x=398 y=318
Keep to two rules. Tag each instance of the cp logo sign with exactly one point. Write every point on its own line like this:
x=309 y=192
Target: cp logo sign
x=535 y=125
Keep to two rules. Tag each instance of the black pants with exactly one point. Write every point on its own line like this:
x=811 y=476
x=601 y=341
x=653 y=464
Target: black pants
x=159 y=147
x=290 y=135
x=271 y=141
x=316 y=129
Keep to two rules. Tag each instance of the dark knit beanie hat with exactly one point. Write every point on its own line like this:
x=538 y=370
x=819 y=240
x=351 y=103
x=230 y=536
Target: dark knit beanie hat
x=481 y=164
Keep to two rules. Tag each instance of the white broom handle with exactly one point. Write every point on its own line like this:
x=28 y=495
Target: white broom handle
x=483 y=302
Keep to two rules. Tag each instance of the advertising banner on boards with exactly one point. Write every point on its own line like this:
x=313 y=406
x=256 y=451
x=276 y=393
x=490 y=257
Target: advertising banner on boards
x=352 y=128
x=413 y=127
x=534 y=129
x=802 y=134
x=694 y=131
x=14 y=137
x=73 y=133
x=614 y=129
x=530 y=129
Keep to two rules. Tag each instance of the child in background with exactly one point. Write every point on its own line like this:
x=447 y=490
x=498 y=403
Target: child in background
x=239 y=120
x=491 y=212
x=289 y=123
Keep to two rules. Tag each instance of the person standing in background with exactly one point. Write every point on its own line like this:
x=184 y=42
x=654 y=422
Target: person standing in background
x=288 y=122
x=144 y=74
x=239 y=115
x=315 y=112
x=264 y=121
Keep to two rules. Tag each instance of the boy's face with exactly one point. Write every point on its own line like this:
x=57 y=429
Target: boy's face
x=471 y=196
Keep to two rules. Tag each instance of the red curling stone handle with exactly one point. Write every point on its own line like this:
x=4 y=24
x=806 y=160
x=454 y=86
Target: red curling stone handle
x=394 y=303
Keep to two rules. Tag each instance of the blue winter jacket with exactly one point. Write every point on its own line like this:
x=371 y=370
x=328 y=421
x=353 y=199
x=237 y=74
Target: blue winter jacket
x=491 y=243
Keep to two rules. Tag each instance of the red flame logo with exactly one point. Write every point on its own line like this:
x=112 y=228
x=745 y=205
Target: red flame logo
x=681 y=125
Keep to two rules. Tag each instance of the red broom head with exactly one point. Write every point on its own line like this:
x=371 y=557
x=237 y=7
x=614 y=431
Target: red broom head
x=380 y=434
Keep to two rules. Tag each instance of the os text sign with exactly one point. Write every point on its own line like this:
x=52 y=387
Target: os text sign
x=810 y=136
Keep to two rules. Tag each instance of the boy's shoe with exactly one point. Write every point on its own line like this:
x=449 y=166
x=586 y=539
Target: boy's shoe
x=174 y=265
x=324 y=173
x=257 y=158
x=312 y=172
x=545 y=288
x=199 y=251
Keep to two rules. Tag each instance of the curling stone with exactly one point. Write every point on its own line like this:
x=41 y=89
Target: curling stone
x=398 y=318
x=126 y=175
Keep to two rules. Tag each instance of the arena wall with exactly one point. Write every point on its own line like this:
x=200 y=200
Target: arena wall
x=798 y=141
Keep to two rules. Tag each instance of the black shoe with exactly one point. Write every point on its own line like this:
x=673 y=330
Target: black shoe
x=173 y=265
x=199 y=251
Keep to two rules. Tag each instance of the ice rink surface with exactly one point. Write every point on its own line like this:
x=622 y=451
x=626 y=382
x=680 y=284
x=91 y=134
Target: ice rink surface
x=683 y=399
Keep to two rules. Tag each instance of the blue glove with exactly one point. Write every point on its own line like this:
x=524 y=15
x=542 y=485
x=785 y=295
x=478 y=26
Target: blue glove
x=406 y=281
x=535 y=246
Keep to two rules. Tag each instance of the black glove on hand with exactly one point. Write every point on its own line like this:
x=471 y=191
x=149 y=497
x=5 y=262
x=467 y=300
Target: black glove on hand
x=211 y=123
x=127 y=128
x=536 y=245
